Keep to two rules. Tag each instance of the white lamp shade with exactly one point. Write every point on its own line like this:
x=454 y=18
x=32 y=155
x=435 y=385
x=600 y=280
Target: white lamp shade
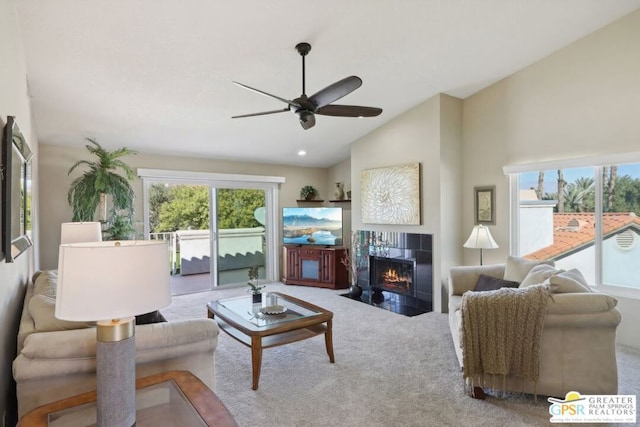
x=480 y=238
x=79 y=232
x=112 y=280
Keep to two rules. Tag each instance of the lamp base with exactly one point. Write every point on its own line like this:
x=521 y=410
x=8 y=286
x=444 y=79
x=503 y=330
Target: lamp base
x=116 y=373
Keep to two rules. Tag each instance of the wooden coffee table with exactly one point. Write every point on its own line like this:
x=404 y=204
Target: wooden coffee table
x=244 y=321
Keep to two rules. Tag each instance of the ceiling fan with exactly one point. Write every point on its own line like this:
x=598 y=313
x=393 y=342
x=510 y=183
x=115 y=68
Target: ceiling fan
x=306 y=107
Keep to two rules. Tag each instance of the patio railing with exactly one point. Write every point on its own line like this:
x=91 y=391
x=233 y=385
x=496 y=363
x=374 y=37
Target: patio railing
x=171 y=239
x=236 y=248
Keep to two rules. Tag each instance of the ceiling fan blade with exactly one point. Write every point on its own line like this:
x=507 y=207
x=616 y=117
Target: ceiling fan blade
x=335 y=91
x=286 y=101
x=262 y=114
x=348 y=111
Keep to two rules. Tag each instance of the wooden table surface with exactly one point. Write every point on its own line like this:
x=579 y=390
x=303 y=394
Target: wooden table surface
x=207 y=404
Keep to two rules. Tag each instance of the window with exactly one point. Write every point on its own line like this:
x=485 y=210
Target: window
x=581 y=217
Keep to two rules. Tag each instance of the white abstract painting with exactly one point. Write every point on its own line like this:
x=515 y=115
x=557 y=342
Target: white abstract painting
x=391 y=195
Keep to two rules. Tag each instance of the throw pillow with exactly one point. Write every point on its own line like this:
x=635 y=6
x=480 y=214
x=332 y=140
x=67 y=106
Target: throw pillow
x=517 y=268
x=42 y=309
x=45 y=283
x=147 y=318
x=539 y=274
x=569 y=281
x=580 y=303
x=490 y=283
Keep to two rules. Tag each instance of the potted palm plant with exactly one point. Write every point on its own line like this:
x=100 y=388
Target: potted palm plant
x=89 y=191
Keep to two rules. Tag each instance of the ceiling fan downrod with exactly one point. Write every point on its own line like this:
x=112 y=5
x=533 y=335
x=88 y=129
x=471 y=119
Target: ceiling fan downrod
x=303 y=49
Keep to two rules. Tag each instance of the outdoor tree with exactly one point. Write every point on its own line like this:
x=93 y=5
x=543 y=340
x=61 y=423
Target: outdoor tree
x=620 y=193
x=610 y=186
x=236 y=207
x=159 y=194
x=540 y=189
x=560 y=193
x=188 y=209
x=579 y=195
x=185 y=207
x=626 y=197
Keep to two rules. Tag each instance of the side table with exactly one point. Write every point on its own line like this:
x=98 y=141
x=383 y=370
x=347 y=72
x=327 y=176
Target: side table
x=166 y=399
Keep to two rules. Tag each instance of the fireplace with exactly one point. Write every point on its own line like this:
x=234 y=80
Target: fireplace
x=395 y=271
x=393 y=275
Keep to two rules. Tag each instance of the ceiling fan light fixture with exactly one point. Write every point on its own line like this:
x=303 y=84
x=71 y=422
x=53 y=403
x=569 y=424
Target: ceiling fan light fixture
x=305 y=116
x=307 y=119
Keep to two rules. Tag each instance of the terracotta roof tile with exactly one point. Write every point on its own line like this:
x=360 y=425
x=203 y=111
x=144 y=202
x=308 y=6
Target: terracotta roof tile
x=573 y=230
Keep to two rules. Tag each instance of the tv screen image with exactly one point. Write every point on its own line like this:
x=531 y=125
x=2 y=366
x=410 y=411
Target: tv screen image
x=312 y=226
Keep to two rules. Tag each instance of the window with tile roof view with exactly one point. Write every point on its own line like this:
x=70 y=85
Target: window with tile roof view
x=559 y=220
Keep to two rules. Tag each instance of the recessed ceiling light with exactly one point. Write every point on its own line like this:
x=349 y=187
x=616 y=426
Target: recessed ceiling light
x=302 y=153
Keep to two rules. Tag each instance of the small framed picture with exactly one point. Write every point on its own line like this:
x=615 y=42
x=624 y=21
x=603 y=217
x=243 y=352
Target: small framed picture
x=484 y=205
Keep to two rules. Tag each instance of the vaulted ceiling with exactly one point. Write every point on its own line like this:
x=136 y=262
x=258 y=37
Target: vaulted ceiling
x=156 y=75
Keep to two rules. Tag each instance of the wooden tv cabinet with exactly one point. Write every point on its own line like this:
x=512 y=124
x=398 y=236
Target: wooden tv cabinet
x=314 y=266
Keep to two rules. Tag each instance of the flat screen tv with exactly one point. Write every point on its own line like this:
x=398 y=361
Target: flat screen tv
x=312 y=226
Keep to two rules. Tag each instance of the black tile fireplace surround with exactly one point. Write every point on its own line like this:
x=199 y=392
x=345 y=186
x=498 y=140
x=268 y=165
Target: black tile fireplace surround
x=395 y=271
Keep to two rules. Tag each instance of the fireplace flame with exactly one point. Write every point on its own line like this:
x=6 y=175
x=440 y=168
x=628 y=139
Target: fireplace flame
x=391 y=276
x=398 y=281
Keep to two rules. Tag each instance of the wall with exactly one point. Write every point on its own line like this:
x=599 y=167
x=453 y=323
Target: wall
x=430 y=134
x=341 y=172
x=14 y=101
x=583 y=100
x=450 y=190
x=55 y=161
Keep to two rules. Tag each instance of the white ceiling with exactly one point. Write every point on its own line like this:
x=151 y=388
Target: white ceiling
x=156 y=75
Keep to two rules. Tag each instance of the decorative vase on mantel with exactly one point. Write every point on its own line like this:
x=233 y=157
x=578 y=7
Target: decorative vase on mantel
x=339 y=193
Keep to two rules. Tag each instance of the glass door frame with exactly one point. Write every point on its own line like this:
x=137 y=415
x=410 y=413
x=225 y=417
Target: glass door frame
x=270 y=185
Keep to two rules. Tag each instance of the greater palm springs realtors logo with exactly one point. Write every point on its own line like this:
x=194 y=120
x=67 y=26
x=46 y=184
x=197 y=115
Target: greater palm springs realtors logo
x=576 y=408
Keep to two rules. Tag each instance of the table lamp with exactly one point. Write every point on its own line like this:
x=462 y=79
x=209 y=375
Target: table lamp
x=111 y=282
x=480 y=238
x=79 y=232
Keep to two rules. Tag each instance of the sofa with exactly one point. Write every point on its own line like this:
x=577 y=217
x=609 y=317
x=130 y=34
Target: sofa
x=56 y=358
x=577 y=338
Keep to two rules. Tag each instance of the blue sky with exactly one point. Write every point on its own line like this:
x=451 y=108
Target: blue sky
x=530 y=179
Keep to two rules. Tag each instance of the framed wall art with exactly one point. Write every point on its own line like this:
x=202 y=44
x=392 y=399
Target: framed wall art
x=16 y=192
x=484 y=205
x=391 y=195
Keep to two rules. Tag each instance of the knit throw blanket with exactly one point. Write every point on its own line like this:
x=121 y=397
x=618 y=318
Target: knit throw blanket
x=501 y=332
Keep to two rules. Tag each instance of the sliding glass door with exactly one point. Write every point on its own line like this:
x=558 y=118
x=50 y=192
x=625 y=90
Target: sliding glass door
x=179 y=213
x=239 y=233
x=216 y=229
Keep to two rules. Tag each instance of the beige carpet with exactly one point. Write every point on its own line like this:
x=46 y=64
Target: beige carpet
x=390 y=370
